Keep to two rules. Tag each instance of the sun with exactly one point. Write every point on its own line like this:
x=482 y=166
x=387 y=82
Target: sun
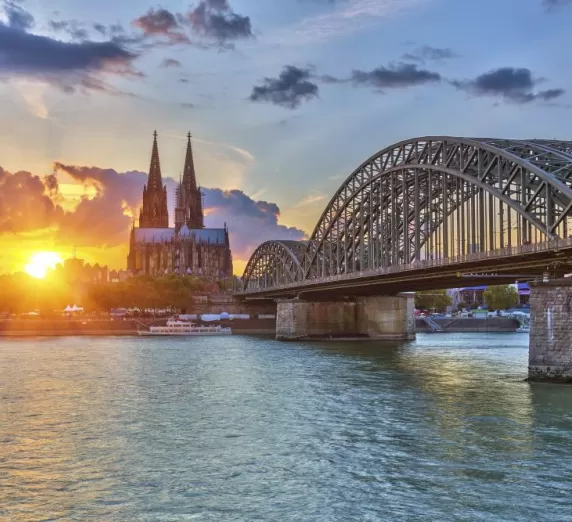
x=40 y=263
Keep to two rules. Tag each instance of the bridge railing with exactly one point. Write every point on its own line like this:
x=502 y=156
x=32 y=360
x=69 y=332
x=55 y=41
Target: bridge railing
x=532 y=248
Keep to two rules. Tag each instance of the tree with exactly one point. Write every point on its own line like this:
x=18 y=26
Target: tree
x=501 y=297
x=437 y=299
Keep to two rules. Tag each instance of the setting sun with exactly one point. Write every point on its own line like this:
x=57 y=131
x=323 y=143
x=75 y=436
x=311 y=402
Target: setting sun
x=40 y=263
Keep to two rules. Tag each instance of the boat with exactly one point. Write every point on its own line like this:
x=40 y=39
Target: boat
x=178 y=327
x=525 y=328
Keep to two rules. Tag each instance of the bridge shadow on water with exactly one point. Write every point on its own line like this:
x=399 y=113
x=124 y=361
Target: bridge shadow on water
x=468 y=389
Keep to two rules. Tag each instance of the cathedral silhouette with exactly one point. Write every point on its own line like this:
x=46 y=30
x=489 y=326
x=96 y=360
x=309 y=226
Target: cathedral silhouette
x=188 y=248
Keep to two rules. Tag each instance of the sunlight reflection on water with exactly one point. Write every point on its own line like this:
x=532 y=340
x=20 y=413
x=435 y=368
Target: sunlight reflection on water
x=246 y=428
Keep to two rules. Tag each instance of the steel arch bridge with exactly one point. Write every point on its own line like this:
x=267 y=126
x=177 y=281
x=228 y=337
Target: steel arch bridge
x=429 y=202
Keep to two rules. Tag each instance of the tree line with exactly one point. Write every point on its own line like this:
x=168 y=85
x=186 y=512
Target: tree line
x=498 y=297
x=20 y=293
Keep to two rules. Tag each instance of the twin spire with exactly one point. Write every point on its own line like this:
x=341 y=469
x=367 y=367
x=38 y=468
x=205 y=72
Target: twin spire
x=155 y=181
x=189 y=176
x=188 y=210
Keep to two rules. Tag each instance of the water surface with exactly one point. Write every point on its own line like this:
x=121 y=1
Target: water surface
x=246 y=428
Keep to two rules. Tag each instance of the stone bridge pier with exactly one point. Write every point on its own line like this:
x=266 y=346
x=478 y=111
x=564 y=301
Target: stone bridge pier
x=382 y=317
x=550 y=349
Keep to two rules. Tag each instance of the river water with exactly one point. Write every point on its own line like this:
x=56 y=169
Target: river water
x=247 y=428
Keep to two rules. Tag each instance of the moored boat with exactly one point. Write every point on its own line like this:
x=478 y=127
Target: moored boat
x=178 y=327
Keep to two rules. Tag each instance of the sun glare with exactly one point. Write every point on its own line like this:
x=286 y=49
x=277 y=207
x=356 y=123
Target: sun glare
x=40 y=263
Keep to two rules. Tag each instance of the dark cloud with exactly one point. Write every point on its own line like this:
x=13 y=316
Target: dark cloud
x=17 y=16
x=101 y=29
x=72 y=28
x=29 y=203
x=289 y=90
x=161 y=22
x=428 y=53
x=510 y=84
x=215 y=19
x=553 y=4
x=24 y=203
x=250 y=222
x=68 y=65
x=395 y=76
x=103 y=220
x=170 y=62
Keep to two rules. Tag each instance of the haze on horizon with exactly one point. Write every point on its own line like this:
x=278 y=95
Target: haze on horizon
x=283 y=102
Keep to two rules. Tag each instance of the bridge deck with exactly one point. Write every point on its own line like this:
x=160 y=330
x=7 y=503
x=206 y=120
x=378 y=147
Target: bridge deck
x=506 y=264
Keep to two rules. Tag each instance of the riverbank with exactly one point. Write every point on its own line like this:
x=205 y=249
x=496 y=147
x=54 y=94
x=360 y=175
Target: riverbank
x=106 y=327
x=471 y=325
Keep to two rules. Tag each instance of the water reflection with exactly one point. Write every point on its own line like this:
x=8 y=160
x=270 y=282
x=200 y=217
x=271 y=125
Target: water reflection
x=247 y=428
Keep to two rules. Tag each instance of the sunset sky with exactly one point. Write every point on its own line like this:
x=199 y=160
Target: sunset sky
x=283 y=98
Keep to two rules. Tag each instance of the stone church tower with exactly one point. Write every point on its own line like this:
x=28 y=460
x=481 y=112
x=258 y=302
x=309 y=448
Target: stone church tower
x=189 y=210
x=154 y=213
x=189 y=248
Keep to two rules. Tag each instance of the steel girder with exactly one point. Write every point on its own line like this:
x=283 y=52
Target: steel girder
x=274 y=263
x=436 y=197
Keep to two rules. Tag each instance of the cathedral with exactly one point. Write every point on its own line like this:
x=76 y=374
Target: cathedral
x=187 y=249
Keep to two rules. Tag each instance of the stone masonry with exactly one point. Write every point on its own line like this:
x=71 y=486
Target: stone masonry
x=387 y=317
x=550 y=349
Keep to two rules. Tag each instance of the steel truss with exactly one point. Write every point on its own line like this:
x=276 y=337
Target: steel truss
x=426 y=199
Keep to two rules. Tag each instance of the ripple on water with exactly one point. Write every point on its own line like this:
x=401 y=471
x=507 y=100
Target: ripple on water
x=245 y=428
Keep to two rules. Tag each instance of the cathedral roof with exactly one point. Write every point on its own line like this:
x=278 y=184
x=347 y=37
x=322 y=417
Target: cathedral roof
x=154 y=235
x=214 y=236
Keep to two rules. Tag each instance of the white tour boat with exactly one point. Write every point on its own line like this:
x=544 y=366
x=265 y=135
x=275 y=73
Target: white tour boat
x=525 y=328
x=178 y=327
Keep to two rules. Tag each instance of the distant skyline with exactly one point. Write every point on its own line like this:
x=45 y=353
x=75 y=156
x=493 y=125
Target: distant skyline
x=283 y=99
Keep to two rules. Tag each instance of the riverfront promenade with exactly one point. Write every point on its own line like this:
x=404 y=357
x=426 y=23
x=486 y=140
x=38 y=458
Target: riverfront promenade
x=73 y=327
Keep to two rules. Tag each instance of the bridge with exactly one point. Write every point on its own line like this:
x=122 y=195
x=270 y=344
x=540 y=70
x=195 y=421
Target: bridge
x=425 y=213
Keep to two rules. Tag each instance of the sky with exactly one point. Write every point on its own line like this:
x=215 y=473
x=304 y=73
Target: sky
x=283 y=99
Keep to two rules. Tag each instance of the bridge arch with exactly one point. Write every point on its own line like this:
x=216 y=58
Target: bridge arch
x=274 y=263
x=428 y=198
x=442 y=196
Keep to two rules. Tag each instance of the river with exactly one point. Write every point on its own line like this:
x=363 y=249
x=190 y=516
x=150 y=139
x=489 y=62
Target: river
x=247 y=428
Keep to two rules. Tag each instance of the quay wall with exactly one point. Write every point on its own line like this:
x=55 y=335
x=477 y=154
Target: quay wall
x=490 y=324
x=67 y=327
x=63 y=327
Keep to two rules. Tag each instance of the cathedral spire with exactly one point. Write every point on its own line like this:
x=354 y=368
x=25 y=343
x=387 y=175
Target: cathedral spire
x=154 y=213
x=155 y=181
x=189 y=176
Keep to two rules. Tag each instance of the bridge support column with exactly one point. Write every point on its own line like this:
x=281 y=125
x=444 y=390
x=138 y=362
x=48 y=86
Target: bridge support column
x=385 y=318
x=550 y=348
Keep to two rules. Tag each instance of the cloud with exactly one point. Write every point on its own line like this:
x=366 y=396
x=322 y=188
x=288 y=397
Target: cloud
x=394 y=76
x=554 y=4
x=68 y=65
x=212 y=22
x=348 y=18
x=428 y=53
x=214 y=19
x=72 y=28
x=17 y=16
x=311 y=199
x=170 y=62
x=510 y=84
x=161 y=22
x=106 y=218
x=289 y=90
x=250 y=222
x=25 y=203
x=29 y=204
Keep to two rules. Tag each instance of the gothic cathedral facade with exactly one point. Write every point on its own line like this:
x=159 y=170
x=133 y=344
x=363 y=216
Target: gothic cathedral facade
x=188 y=248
